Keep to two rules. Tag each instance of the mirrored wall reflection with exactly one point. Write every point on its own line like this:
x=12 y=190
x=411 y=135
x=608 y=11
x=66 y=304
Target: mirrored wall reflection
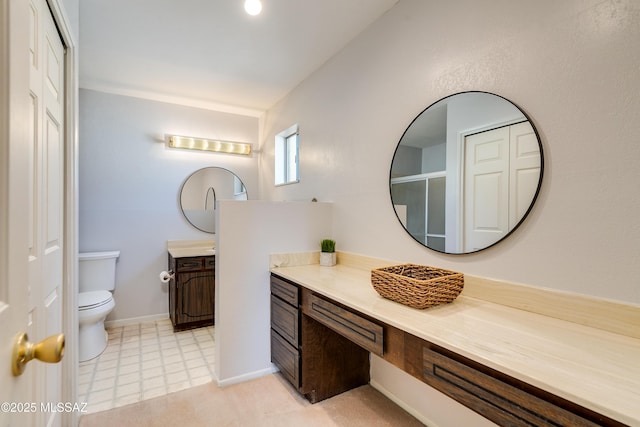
x=466 y=172
x=202 y=189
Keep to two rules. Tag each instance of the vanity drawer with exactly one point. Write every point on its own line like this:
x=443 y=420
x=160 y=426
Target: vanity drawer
x=189 y=264
x=285 y=357
x=210 y=263
x=356 y=328
x=284 y=290
x=285 y=320
x=497 y=400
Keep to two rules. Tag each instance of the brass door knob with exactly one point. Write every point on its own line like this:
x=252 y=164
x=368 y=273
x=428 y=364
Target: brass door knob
x=48 y=350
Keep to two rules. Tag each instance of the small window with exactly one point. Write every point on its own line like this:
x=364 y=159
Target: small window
x=286 y=157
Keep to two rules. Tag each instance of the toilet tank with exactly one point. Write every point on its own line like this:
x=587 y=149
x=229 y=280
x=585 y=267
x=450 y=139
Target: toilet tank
x=97 y=271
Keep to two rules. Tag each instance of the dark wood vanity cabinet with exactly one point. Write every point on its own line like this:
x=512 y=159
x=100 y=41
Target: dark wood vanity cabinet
x=316 y=360
x=501 y=398
x=322 y=348
x=504 y=402
x=192 y=292
x=285 y=329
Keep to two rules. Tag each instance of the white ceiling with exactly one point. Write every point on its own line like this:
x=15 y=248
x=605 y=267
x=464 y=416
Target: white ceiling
x=210 y=53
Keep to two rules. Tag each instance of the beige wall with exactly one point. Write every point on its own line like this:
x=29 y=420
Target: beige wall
x=572 y=66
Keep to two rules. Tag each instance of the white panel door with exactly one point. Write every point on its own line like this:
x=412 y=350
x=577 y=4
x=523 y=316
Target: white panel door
x=46 y=251
x=486 y=188
x=524 y=172
x=31 y=195
x=14 y=224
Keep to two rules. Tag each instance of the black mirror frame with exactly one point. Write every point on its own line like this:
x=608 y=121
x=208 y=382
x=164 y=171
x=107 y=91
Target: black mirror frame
x=533 y=200
x=187 y=179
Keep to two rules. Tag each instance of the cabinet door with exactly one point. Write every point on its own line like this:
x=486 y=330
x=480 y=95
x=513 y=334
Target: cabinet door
x=172 y=291
x=349 y=324
x=285 y=320
x=284 y=290
x=286 y=358
x=195 y=297
x=190 y=264
x=504 y=403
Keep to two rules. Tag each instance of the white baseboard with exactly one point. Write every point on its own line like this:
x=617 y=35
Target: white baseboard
x=401 y=403
x=135 y=320
x=246 y=377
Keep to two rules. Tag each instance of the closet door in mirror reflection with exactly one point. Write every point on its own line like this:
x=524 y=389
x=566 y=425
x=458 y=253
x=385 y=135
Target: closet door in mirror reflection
x=501 y=171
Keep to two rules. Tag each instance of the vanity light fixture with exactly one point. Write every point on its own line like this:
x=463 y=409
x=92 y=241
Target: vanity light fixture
x=214 y=145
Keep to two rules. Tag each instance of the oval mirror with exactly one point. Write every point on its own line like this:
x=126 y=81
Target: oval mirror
x=202 y=189
x=466 y=172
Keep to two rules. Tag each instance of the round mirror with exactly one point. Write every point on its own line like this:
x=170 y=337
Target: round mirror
x=466 y=172
x=202 y=189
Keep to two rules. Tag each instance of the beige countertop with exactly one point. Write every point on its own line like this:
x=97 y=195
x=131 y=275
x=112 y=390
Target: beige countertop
x=594 y=368
x=191 y=248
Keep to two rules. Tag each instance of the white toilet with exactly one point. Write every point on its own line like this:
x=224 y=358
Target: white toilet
x=97 y=279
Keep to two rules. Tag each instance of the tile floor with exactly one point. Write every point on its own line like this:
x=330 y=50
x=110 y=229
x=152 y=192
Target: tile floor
x=144 y=361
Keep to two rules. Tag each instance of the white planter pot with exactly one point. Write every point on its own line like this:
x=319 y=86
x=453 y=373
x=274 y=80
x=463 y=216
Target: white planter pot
x=327 y=259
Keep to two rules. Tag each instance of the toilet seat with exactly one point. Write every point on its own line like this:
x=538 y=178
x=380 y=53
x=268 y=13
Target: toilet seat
x=93 y=299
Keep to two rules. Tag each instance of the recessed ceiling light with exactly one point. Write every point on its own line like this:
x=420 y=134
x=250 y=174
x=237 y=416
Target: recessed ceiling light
x=253 y=7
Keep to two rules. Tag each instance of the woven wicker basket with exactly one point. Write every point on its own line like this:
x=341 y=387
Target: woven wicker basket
x=417 y=286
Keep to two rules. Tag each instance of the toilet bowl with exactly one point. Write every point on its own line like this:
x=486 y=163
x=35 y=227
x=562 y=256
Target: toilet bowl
x=95 y=301
x=93 y=309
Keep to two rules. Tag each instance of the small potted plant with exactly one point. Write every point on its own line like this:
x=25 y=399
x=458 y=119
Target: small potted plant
x=328 y=253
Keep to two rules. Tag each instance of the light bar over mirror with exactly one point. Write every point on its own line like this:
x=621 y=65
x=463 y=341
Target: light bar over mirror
x=213 y=145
